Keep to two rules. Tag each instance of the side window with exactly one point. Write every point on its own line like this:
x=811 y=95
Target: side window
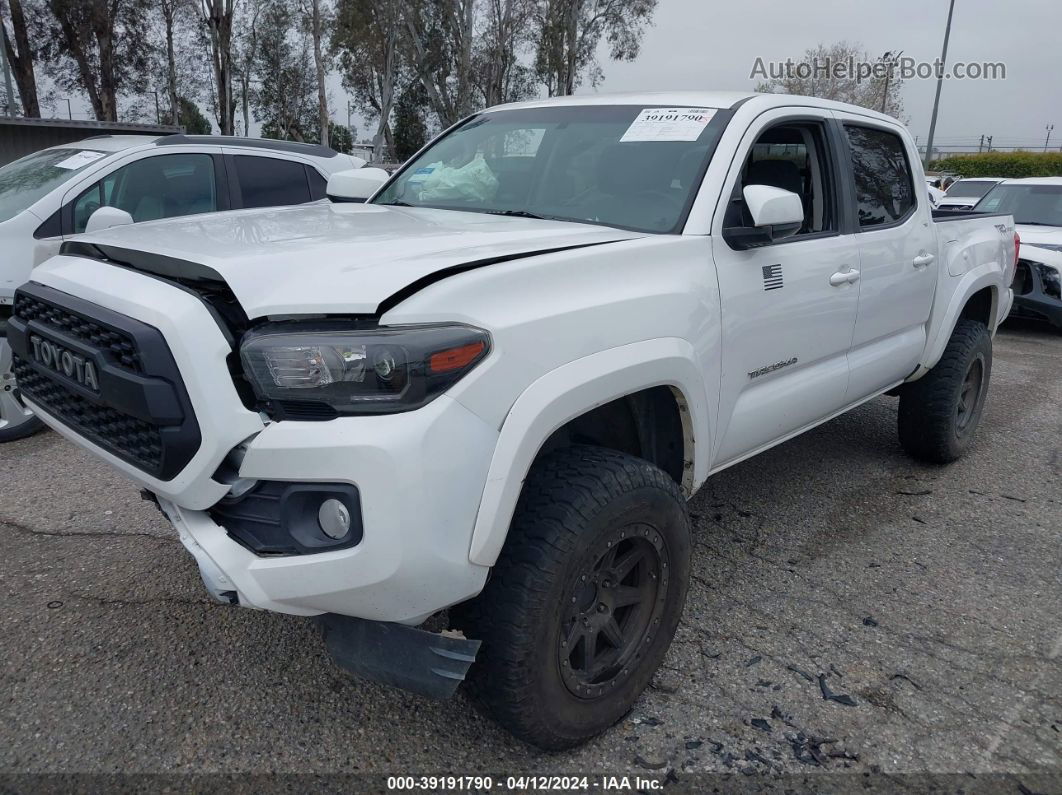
x=85 y=205
x=162 y=186
x=318 y=184
x=884 y=189
x=793 y=157
x=270 y=181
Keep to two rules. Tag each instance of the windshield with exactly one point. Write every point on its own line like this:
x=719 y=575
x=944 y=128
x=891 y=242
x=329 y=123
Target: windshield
x=627 y=166
x=34 y=176
x=1040 y=205
x=970 y=188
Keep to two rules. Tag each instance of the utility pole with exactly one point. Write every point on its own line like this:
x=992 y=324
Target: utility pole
x=940 y=83
x=981 y=145
x=889 y=59
x=69 y=111
x=1049 y=128
x=7 y=78
x=158 y=116
x=348 y=119
x=990 y=143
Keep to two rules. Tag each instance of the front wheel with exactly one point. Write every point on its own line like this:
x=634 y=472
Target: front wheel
x=16 y=421
x=585 y=598
x=939 y=413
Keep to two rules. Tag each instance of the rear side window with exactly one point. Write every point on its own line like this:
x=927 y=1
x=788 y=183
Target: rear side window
x=884 y=188
x=271 y=182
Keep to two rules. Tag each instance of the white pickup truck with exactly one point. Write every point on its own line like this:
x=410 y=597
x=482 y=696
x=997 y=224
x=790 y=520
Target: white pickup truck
x=494 y=386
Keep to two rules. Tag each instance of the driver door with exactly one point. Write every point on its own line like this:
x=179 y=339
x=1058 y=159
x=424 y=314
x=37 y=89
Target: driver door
x=787 y=315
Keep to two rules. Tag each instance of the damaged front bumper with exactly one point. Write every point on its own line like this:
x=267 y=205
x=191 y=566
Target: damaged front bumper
x=1038 y=292
x=429 y=663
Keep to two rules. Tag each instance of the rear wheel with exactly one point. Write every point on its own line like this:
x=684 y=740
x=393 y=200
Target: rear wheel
x=585 y=598
x=16 y=421
x=940 y=412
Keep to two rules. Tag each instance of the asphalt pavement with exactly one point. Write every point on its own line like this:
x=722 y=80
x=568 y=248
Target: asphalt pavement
x=852 y=613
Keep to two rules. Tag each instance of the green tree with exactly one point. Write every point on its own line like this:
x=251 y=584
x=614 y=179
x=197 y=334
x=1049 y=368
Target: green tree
x=99 y=47
x=285 y=98
x=216 y=17
x=189 y=116
x=411 y=132
x=340 y=137
x=569 y=34
x=366 y=40
x=26 y=25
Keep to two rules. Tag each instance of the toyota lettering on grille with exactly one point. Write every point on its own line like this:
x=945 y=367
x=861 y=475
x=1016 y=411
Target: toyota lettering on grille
x=60 y=360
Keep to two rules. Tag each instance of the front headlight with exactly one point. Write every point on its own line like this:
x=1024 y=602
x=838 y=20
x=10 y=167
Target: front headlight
x=1050 y=279
x=319 y=373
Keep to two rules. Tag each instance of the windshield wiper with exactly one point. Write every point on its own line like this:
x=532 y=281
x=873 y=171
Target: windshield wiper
x=395 y=203
x=517 y=214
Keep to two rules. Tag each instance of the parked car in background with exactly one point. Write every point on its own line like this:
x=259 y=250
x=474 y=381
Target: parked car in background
x=1036 y=204
x=493 y=386
x=965 y=193
x=47 y=196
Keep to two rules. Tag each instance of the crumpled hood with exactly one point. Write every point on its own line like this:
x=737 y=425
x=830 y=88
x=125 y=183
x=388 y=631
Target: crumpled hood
x=342 y=258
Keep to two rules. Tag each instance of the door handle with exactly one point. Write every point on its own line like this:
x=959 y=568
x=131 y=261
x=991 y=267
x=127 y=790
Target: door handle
x=922 y=260
x=842 y=278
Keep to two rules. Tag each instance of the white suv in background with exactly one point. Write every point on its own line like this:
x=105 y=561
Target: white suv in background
x=47 y=196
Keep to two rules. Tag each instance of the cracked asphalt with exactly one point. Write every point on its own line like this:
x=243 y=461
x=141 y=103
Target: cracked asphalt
x=926 y=602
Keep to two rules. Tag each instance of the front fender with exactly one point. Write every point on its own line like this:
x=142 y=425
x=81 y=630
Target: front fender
x=566 y=393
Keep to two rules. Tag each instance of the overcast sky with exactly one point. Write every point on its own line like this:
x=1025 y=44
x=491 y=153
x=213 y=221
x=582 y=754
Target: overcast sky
x=713 y=45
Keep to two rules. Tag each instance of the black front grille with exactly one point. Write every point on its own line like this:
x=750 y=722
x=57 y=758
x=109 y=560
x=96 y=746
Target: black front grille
x=134 y=406
x=120 y=345
x=127 y=437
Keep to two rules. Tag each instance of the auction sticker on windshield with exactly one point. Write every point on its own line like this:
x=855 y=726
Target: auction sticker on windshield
x=668 y=124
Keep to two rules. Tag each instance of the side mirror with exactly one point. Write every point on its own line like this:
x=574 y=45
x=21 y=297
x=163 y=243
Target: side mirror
x=355 y=185
x=776 y=215
x=106 y=217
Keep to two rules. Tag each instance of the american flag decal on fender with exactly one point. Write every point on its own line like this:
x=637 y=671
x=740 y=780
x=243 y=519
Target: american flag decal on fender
x=772 y=277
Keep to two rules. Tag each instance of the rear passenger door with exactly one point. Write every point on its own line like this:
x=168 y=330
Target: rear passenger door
x=258 y=180
x=897 y=255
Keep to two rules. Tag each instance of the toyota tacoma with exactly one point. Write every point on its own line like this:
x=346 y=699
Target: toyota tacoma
x=485 y=395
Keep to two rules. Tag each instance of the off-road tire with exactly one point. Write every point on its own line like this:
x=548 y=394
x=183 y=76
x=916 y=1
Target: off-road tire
x=935 y=423
x=573 y=502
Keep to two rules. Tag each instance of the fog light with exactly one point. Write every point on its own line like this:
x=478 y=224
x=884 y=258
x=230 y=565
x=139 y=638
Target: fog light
x=334 y=519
